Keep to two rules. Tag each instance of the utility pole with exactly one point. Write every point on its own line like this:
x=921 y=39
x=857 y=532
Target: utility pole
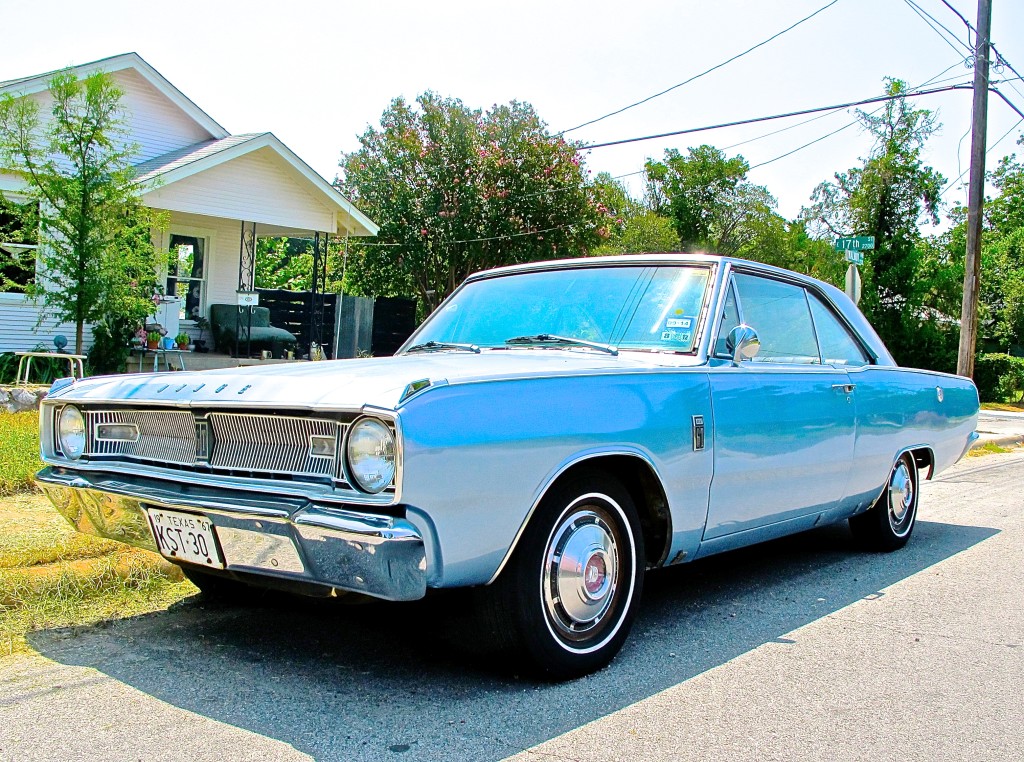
x=975 y=194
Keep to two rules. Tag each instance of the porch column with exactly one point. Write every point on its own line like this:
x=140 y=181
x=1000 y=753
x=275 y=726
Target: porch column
x=319 y=285
x=247 y=297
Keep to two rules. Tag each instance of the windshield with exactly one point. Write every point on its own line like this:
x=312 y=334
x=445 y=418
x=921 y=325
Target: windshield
x=652 y=308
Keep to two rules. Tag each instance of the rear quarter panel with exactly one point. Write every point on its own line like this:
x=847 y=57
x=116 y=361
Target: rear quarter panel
x=899 y=408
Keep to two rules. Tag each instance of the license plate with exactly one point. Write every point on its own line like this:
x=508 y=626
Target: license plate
x=185 y=537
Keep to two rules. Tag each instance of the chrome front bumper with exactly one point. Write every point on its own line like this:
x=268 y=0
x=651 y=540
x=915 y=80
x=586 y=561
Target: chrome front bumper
x=284 y=537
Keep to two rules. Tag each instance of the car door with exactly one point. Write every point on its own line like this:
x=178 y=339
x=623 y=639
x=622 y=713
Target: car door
x=784 y=422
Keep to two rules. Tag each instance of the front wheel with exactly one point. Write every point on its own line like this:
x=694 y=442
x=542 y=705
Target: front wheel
x=571 y=590
x=887 y=525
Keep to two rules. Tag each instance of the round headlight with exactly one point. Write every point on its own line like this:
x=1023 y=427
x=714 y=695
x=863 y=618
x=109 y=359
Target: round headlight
x=371 y=455
x=71 y=432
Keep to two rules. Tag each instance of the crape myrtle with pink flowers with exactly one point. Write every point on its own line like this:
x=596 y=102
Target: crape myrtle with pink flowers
x=456 y=190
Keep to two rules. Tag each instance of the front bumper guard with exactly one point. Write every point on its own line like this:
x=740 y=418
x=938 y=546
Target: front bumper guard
x=288 y=538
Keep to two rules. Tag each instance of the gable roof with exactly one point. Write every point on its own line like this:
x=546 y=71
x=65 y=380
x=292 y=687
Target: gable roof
x=178 y=165
x=39 y=82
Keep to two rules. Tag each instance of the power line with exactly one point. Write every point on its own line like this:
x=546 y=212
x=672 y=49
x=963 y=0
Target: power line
x=845 y=126
x=754 y=120
x=925 y=16
x=1001 y=60
x=992 y=148
x=961 y=16
x=933 y=80
x=1007 y=101
x=703 y=73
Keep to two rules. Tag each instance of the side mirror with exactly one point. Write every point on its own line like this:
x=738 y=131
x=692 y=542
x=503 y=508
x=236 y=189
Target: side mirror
x=742 y=343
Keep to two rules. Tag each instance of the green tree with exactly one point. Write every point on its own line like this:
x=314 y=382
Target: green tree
x=98 y=261
x=707 y=195
x=635 y=229
x=456 y=190
x=886 y=197
x=19 y=224
x=1002 y=256
x=285 y=263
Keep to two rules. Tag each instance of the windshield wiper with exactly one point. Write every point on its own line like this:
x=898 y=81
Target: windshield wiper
x=565 y=341
x=441 y=346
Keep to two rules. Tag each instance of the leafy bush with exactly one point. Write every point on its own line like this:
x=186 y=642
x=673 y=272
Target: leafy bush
x=999 y=377
x=111 y=344
x=19 y=451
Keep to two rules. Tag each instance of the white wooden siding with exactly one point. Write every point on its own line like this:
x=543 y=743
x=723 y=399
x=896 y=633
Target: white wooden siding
x=260 y=187
x=18 y=332
x=155 y=124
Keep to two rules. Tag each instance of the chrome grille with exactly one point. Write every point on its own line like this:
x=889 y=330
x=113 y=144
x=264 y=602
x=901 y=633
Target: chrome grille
x=165 y=435
x=246 y=442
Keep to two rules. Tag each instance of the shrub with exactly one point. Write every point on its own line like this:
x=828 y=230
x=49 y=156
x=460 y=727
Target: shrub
x=999 y=377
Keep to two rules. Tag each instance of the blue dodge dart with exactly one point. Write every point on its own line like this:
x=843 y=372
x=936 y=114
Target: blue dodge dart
x=551 y=433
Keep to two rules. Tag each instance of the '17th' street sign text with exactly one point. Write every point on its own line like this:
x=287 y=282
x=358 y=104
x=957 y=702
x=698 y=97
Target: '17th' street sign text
x=854 y=245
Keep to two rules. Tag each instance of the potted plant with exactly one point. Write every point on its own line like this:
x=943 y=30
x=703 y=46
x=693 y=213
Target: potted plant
x=152 y=339
x=182 y=340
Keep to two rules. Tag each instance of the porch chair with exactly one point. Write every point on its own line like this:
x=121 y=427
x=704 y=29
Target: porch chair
x=224 y=323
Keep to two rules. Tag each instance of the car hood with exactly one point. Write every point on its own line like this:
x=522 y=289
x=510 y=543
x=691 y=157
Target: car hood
x=352 y=384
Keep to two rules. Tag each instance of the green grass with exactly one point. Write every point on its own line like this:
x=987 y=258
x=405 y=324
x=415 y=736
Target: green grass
x=1013 y=407
x=19 y=451
x=52 y=576
x=986 y=449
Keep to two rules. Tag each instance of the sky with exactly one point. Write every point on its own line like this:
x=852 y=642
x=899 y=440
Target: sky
x=317 y=73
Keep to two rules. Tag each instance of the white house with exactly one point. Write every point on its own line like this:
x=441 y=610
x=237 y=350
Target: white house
x=219 y=190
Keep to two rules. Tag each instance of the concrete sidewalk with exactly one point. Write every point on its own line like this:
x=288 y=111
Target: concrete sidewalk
x=1001 y=428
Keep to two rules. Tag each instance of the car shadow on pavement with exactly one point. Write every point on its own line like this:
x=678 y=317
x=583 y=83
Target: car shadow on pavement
x=389 y=681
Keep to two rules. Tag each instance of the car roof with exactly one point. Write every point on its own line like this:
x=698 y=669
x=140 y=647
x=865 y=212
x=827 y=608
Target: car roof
x=838 y=298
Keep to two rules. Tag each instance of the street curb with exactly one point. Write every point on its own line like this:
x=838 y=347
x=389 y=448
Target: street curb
x=1011 y=440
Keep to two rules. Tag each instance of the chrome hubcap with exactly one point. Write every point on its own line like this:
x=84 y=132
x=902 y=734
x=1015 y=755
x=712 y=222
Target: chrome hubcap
x=581 y=573
x=901 y=495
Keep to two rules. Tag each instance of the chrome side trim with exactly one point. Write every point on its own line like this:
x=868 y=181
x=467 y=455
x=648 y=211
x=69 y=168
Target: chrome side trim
x=554 y=478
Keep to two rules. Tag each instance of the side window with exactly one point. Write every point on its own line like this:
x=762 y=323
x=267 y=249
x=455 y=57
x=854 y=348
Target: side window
x=838 y=346
x=779 y=313
x=730 y=319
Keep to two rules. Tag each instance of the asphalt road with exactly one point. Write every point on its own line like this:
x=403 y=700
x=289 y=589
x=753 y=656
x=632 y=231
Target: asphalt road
x=802 y=648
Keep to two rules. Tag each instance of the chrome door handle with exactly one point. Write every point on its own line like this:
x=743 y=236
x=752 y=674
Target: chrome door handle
x=844 y=388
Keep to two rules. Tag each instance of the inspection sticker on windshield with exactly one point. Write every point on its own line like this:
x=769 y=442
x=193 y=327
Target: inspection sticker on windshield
x=185 y=536
x=678 y=323
x=683 y=337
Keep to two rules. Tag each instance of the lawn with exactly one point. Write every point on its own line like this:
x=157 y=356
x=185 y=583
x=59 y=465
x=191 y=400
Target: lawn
x=50 y=575
x=19 y=451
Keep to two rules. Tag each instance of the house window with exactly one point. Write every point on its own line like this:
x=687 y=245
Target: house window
x=19 y=226
x=186 y=274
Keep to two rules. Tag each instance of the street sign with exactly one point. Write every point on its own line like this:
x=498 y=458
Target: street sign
x=855 y=243
x=853 y=283
x=855 y=257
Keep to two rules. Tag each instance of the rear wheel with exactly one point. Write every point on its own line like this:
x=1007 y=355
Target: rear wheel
x=887 y=525
x=568 y=597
